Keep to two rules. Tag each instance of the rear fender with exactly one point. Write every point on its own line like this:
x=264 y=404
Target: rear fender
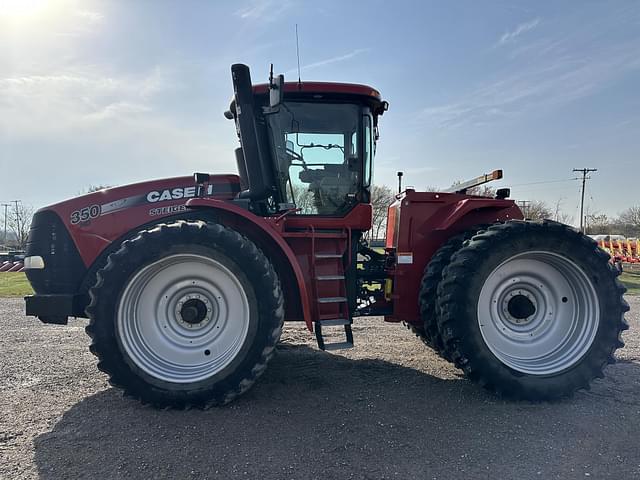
x=279 y=252
x=427 y=220
x=475 y=211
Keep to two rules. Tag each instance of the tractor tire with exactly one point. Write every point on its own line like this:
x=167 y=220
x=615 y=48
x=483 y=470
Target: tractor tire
x=185 y=314
x=531 y=310
x=432 y=276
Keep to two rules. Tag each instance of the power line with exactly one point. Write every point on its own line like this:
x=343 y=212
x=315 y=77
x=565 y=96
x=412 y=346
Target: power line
x=536 y=190
x=543 y=182
x=585 y=172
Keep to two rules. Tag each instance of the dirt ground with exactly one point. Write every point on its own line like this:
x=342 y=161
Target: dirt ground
x=388 y=408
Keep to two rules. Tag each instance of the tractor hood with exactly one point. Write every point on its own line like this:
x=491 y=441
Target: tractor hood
x=97 y=219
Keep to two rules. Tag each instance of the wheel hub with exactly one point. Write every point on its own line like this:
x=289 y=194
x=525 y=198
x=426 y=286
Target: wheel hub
x=519 y=307
x=193 y=311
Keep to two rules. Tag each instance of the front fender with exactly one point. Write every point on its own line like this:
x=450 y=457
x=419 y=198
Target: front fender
x=266 y=237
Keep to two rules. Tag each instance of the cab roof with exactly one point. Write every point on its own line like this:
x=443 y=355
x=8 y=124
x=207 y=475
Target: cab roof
x=323 y=88
x=318 y=90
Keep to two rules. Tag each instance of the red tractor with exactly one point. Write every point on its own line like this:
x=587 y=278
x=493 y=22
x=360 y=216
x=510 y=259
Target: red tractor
x=187 y=282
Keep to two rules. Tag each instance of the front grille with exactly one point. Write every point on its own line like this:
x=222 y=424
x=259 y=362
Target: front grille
x=64 y=269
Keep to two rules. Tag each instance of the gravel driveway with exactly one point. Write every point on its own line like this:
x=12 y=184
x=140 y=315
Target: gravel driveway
x=388 y=408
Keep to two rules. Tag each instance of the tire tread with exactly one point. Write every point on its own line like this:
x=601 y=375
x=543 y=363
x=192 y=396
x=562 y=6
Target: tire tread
x=271 y=305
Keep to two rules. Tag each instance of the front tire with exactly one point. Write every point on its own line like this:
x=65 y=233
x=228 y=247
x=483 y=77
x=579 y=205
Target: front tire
x=531 y=310
x=185 y=314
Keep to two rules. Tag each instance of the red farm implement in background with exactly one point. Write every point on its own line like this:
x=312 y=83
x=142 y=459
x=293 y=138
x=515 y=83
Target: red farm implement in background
x=623 y=251
x=186 y=282
x=11 y=262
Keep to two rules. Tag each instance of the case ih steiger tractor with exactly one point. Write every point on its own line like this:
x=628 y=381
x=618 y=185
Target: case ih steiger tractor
x=186 y=282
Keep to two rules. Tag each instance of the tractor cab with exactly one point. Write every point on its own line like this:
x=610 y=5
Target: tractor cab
x=305 y=146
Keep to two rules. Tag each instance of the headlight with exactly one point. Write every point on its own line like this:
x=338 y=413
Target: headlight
x=34 y=262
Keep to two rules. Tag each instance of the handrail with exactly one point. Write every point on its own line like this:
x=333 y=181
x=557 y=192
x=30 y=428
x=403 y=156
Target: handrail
x=292 y=210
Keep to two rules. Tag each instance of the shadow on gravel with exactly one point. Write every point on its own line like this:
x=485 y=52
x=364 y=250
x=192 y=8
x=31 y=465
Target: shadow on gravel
x=317 y=415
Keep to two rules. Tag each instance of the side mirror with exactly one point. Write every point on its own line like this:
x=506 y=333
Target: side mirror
x=276 y=90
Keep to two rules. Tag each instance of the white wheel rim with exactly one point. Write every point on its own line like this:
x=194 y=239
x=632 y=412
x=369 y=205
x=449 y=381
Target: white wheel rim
x=538 y=313
x=183 y=318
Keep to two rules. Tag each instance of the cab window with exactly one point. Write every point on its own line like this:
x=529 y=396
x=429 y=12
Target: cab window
x=316 y=152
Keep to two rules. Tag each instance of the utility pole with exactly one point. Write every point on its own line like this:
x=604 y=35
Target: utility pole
x=524 y=206
x=585 y=172
x=4 y=239
x=18 y=230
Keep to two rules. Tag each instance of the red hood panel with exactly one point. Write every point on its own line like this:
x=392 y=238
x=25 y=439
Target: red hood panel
x=97 y=219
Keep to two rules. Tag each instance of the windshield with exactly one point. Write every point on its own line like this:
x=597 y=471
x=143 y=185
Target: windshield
x=316 y=152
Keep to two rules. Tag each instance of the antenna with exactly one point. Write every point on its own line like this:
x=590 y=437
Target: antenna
x=298 y=54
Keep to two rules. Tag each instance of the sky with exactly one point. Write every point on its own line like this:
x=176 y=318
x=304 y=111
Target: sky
x=114 y=92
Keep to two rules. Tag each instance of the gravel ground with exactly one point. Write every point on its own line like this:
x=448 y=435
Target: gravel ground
x=388 y=408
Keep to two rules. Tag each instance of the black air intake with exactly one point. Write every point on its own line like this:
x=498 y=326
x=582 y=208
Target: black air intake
x=64 y=269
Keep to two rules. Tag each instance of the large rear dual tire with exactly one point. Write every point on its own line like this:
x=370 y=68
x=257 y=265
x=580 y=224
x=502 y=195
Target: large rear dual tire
x=429 y=333
x=530 y=310
x=185 y=314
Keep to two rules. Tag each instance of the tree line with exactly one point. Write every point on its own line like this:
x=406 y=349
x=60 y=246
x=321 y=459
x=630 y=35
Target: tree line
x=627 y=223
x=14 y=227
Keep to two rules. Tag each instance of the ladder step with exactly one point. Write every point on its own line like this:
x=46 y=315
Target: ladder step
x=337 y=346
x=330 y=277
x=328 y=255
x=332 y=299
x=334 y=322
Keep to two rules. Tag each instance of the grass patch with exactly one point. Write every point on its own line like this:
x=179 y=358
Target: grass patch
x=632 y=282
x=14 y=284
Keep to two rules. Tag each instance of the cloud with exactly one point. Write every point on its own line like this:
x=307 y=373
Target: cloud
x=508 y=37
x=546 y=82
x=117 y=110
x=340 y=58
x=329 y=61
x=102 y=127
x=74 y=99
x=264 y=10
x=90 y=16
